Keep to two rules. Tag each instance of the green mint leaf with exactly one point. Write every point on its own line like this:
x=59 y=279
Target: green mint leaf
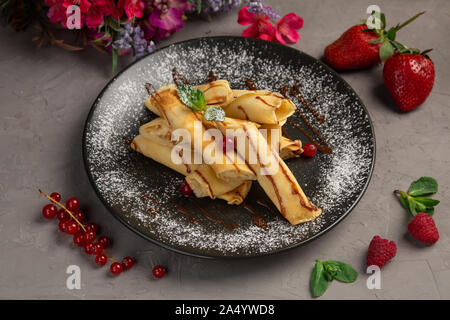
x=386 y=50
x=318 y=282
x=345 y=273
x=412 y=206
x=404 y=201
x=331 y=270
x=191 y=97
x=423 y=186
x=427 y=202
x=429 y=211
x=214 y=114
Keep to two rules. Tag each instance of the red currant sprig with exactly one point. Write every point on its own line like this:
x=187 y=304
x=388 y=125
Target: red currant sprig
x=84 y=235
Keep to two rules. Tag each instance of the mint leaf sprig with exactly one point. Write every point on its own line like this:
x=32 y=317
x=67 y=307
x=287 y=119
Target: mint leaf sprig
x=326 y=271
x=414 y=199
x=195 y=100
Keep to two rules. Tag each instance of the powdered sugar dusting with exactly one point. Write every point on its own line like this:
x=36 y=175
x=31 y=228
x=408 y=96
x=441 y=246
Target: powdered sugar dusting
x=333 y=182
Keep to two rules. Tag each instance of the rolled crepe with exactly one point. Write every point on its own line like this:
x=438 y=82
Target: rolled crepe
x=154 y=142
x=216 y=92
x=286 y=147
x=226 y=166
x=237 y=195
x=260 y=106
x=280 y=185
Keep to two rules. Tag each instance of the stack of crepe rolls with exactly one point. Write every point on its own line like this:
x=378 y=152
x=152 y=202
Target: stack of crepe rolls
x=154 y=141
x=257 y=114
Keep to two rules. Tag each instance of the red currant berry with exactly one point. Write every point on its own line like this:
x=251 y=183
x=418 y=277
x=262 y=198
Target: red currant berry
x=227 y=143
x=159 y=271
x=72 y=204
x=88 y=248
x=127 y=263
x=116 y=268
x=49 y=211
x=89 y=236
x=309 y=150
x=97 y=248
x=104 y=241
x=79 y=215
x=55 y=196
x=63 y=215
x=101 y=259
x=63 y=225
x=185 y=189
x=90 y=226
x=78 y=238
x=72 y=227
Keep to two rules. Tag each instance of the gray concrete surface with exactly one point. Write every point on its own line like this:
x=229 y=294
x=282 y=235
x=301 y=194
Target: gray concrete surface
x=46 y=95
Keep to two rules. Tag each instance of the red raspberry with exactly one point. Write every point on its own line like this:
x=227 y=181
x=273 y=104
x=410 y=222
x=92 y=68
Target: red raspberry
x=423 y=228
x=380 y=251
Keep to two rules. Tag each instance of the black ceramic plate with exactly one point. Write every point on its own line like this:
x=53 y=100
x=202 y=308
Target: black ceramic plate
x=121 y=176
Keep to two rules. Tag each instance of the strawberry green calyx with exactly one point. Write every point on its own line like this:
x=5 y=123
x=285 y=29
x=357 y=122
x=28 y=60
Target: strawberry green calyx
x=387 y=37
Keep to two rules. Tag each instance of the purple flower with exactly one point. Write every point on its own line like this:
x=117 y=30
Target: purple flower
x=133 y=38
x=259 y=8
x=209 y=7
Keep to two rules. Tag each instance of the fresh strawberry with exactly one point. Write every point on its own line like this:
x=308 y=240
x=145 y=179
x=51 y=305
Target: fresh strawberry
x=423 y=228
x=353 y=50
x=360 y=47
x=409 y=78
x=380 y=251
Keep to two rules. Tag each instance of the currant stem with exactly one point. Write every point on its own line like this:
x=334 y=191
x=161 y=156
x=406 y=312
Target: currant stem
x=62 y=206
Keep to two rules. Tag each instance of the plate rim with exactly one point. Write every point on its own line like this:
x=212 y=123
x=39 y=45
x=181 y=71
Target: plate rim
x=218 y=256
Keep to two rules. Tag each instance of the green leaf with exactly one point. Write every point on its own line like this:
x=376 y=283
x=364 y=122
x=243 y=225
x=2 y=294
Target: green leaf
x=404 y=201
x=379 y=40
x=427 y=202
x=412 y=206
x=386 y=51
x=429 y=211
x=214 y=114
x=114 y=60
x=391 y=33
x=318 y=282
x=345 y=273
x=331 y=270
x=191 y=97
x=423 y=186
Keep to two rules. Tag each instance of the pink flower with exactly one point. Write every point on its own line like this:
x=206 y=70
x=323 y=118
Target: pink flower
x=286 y=28
x=133 y=8
x=170 y=20
x=56 y=13
x=260 y=28
x=98 y=10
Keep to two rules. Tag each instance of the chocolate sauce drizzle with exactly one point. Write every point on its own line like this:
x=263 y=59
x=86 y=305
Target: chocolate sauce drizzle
x=149 y=210
x=212 y=77
x=178 y=78
x=230 y=228
x=182 y=209
x=250 y=84
x=295 y=91
x=256 y=218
